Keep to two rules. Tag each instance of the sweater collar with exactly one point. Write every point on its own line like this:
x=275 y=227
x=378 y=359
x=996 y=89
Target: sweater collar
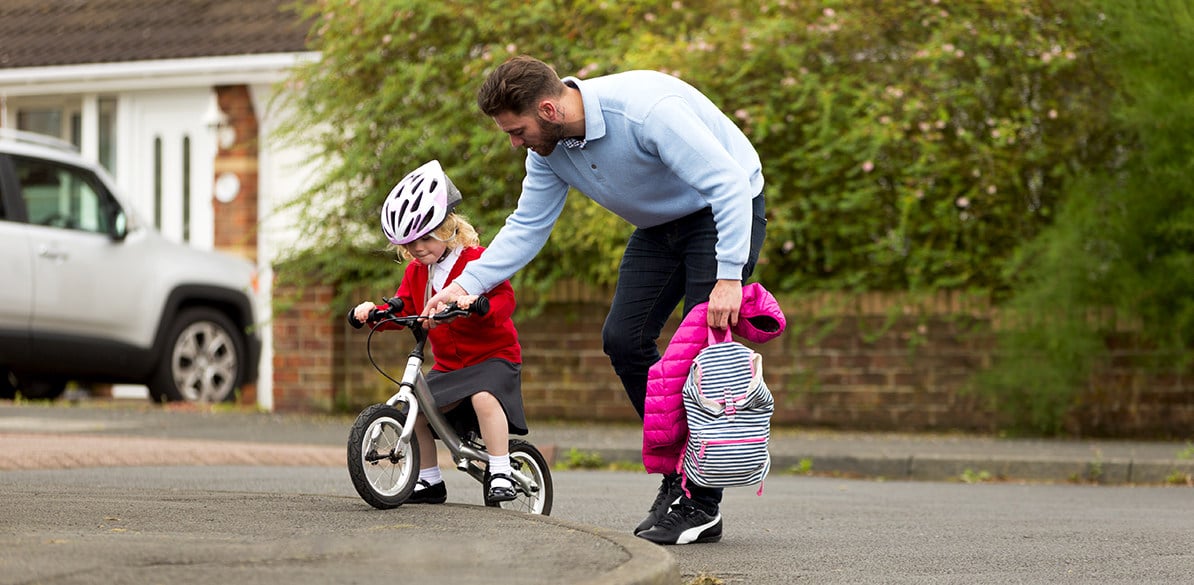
x=594 y=116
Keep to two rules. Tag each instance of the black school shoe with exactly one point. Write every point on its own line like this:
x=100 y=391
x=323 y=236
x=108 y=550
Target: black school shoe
x=669 y=493
x=685 y=524
x=430 y=494
x=499 y=493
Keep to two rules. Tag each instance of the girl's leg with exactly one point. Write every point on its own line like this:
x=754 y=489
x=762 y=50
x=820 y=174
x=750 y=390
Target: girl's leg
x=495 y=431
x=492 y=419
x=431 y=488
x=427 y=455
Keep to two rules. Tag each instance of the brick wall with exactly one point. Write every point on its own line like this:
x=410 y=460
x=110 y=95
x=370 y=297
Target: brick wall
x=305 y=349
x=869 y=362
x=234 y=228
x=236 y=220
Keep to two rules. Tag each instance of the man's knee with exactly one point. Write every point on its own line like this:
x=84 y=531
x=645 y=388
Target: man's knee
x=614 y=345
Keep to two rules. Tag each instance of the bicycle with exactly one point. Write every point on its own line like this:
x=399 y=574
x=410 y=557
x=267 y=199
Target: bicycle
x=383 y=451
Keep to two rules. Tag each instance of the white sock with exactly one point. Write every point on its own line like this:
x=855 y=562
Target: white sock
x=431 y=475
x=501 y=464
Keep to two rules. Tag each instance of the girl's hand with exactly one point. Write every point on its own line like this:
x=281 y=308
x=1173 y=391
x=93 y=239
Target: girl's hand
x=361 y=312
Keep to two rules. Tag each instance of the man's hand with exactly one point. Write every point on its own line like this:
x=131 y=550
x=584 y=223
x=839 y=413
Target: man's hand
x=463 y=302
x=440 y=299
x=724 y=303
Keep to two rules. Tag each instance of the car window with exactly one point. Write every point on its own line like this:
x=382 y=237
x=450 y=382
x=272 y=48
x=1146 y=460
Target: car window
x=61 y=196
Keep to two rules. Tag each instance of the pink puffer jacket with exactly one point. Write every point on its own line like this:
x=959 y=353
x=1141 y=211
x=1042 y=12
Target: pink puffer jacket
x=665 y=427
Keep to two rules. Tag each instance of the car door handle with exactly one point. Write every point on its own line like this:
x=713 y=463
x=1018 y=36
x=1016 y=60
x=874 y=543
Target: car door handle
x=54 y=254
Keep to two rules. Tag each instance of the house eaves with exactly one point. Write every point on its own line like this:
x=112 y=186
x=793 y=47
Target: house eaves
x=153 y=74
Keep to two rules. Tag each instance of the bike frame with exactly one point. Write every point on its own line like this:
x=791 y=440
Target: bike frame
x=414 y=391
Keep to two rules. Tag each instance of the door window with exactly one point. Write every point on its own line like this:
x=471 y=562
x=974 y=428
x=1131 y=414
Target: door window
x=64 y=197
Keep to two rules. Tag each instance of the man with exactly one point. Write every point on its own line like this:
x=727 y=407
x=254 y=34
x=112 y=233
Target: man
x=658 y=153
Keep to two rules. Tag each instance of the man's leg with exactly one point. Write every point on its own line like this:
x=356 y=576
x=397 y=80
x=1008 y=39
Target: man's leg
x=650 y=285
x=696 y=517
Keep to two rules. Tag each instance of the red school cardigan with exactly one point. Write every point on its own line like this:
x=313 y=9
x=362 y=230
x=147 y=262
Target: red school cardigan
x=466 y=341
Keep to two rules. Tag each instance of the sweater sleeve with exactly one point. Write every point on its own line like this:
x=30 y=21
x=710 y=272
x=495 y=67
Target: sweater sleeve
x=685 y=144
x=525 y=230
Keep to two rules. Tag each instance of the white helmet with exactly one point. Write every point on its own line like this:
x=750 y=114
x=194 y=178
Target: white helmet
x=418 y=204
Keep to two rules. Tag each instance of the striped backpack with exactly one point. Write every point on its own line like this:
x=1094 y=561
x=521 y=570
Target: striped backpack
x=729 y=411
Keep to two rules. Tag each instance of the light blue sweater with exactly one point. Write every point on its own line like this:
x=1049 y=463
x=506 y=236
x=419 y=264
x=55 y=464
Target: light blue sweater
x=655 y=150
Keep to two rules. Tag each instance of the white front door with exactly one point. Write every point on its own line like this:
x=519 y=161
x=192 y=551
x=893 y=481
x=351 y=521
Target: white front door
x=165 y=162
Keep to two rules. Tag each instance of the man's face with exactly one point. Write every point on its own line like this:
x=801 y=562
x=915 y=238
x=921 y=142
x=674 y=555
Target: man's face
x=531 y=131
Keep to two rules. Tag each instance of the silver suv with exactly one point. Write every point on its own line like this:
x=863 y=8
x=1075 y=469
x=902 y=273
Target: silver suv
x=88 y=293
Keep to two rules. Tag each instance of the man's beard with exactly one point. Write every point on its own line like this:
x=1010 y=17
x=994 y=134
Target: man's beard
x=551 y=133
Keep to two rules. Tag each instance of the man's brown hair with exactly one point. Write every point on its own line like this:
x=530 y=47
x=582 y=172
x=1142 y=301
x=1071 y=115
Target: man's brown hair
x=517 y=86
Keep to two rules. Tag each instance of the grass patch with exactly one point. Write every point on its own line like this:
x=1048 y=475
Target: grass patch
x=972 y=476
x=577 y=459
x=705 y=579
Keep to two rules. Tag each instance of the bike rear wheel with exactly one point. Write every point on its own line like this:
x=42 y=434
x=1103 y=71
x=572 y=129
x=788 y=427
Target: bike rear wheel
x=528 y=462
x=383 y=470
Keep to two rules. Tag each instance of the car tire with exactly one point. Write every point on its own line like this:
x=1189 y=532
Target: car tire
x=8 y=390
x=203 y=359
x=40 y=388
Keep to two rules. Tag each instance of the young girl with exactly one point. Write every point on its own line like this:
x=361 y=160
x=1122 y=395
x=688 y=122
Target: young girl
x=476 y=378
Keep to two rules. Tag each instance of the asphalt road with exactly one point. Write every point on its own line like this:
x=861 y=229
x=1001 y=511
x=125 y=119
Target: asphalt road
x=295 y=525
x=147 y=496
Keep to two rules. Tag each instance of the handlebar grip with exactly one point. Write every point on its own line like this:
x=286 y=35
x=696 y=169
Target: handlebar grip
x=480 y=306
x=352 y=319
x=393 y=305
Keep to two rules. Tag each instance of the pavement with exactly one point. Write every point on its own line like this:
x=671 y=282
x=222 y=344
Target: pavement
x=131 y=433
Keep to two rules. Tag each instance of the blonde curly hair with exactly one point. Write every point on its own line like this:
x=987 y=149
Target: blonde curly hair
x=455 y=231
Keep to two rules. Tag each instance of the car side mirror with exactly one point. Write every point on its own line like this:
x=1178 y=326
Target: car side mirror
x=120 y=226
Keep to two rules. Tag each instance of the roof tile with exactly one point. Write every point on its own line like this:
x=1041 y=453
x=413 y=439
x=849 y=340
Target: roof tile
x=40 y=33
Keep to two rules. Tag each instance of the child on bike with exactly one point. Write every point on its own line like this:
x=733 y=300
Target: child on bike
x=476 y=378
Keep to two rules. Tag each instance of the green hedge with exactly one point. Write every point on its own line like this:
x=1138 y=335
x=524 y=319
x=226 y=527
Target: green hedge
x=906 y=144
x=1035 y=151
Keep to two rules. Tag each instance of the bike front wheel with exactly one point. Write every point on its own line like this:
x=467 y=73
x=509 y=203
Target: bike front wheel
x=528 y=463
x=383 y=469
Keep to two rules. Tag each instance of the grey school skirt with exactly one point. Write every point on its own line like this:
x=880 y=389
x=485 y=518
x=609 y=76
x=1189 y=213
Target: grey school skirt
x=497 y=376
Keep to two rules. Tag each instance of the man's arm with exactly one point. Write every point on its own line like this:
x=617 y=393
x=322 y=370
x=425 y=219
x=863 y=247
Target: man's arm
x=519 y=240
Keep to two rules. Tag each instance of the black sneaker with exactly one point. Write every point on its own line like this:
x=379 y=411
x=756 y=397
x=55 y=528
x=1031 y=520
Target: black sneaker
x=429 y=494
x=685 y=524
x=669 y=493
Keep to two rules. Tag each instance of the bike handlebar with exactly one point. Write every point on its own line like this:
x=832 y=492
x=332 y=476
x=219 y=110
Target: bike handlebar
x=479 y=307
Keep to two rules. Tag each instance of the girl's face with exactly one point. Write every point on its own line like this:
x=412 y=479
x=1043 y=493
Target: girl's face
x=427 y=250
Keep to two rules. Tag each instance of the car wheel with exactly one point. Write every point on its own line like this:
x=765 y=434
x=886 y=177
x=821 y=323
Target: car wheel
x=203 y=360
x=40 y=388
x=8 y=390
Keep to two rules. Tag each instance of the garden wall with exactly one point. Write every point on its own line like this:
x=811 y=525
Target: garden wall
x=866 y=362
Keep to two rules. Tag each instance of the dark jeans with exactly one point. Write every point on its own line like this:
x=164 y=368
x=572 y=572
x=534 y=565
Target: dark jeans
x=662 y=266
